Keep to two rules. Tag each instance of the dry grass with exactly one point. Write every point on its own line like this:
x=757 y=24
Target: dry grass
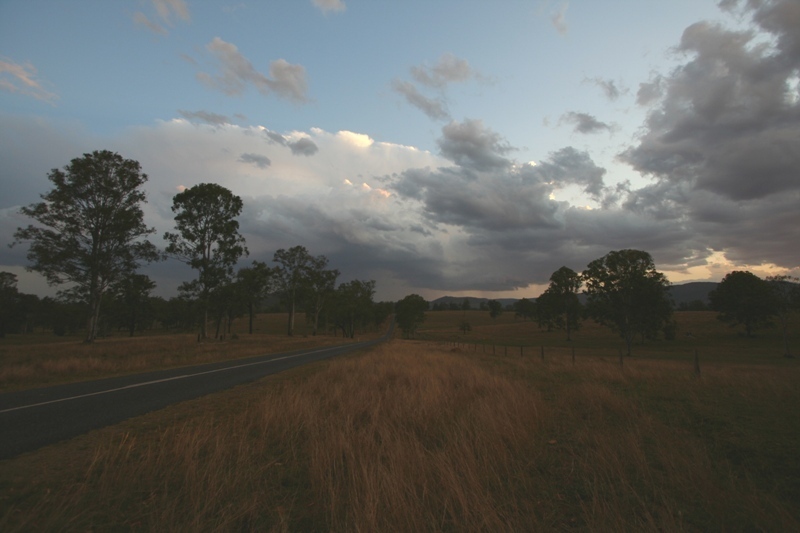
x=697 y=331
x=416 y=437
x=29 y=361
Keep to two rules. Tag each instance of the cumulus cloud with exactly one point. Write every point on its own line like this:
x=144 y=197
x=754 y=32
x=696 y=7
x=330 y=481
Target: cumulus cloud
x=472 y=145
x=584 y=122
x=326 y=6
x=237 y=73
x=303 y=146
x=298 y=144
x=261 y=161
x=718 y=145
x=720 y=140
x=207 y=117
x=650 y=91
x=23 y=79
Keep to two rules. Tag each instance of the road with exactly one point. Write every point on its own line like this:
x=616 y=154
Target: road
x=34 y=418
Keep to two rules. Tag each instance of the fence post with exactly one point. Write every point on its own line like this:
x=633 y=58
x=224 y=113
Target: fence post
x=620 y=358
x=696 y=363
x=505 y=350
x=573 y=356
x=542 y=353
x=493 y=349
x=520 y=351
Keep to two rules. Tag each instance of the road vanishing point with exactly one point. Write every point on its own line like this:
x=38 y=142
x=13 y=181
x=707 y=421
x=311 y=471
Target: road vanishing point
x=30 y=419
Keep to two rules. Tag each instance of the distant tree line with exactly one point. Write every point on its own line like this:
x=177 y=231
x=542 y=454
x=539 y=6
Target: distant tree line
x=90 y=239
x=625 y=292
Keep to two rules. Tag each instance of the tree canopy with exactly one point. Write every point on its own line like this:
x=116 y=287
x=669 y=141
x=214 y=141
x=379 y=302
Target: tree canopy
x=786 y=292
x=742 y=298
x=410 y=313
x=207 y=239
x=293 y=267
x=558 y=307
x=627 y=293
x=92 y=232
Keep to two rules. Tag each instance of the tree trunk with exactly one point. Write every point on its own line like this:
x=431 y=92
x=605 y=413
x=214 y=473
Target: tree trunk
x=203 y=325
x=291 y=317
x=94 y=318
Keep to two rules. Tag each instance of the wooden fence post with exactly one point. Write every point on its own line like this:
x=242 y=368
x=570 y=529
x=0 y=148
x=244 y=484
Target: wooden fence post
x=573 y=356
x=696 y=363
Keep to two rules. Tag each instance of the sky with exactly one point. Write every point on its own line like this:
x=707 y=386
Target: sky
x=441 y=148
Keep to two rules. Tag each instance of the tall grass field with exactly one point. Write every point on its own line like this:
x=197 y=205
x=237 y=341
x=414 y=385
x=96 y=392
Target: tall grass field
x=451 y=432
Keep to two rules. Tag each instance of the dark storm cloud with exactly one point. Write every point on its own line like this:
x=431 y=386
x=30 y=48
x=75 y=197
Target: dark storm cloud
x=503 y=196
x=303 y=146
x=569 y=166
x=471 y=145
x=281 y=222
x=276 y=137
x=29 y=150
x=261 y=161
x=728 y=122
x=722 y=140
x=650 y=91
x=205 y=116
x=584 y=122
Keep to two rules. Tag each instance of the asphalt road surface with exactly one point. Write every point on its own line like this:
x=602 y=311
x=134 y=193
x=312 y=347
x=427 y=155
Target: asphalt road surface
x=34 y=418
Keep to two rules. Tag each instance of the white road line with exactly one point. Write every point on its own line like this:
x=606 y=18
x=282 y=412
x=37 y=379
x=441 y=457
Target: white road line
x=183 y=376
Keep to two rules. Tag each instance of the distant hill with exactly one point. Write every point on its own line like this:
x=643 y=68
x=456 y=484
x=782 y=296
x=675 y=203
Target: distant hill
x=681 y=294
x=474 y=303
x=690 y=292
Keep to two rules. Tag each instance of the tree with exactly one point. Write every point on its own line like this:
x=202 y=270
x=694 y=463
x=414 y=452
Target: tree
x=627 y=294
x=256 y=283
x=208 y=239
x=410 y=313
x=9 y=302
x=93 y=231
x=495 y=308
x=320 y=284
x=742 y=298
x=786 y=292
x=559 y=305
x=293 y=269
x=525 y=309
x=133 y=296
x=353 y=305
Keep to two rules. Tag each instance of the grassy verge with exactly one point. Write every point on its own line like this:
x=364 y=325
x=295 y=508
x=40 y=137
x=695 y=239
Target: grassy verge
x=28 y=361
x=418 y=437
